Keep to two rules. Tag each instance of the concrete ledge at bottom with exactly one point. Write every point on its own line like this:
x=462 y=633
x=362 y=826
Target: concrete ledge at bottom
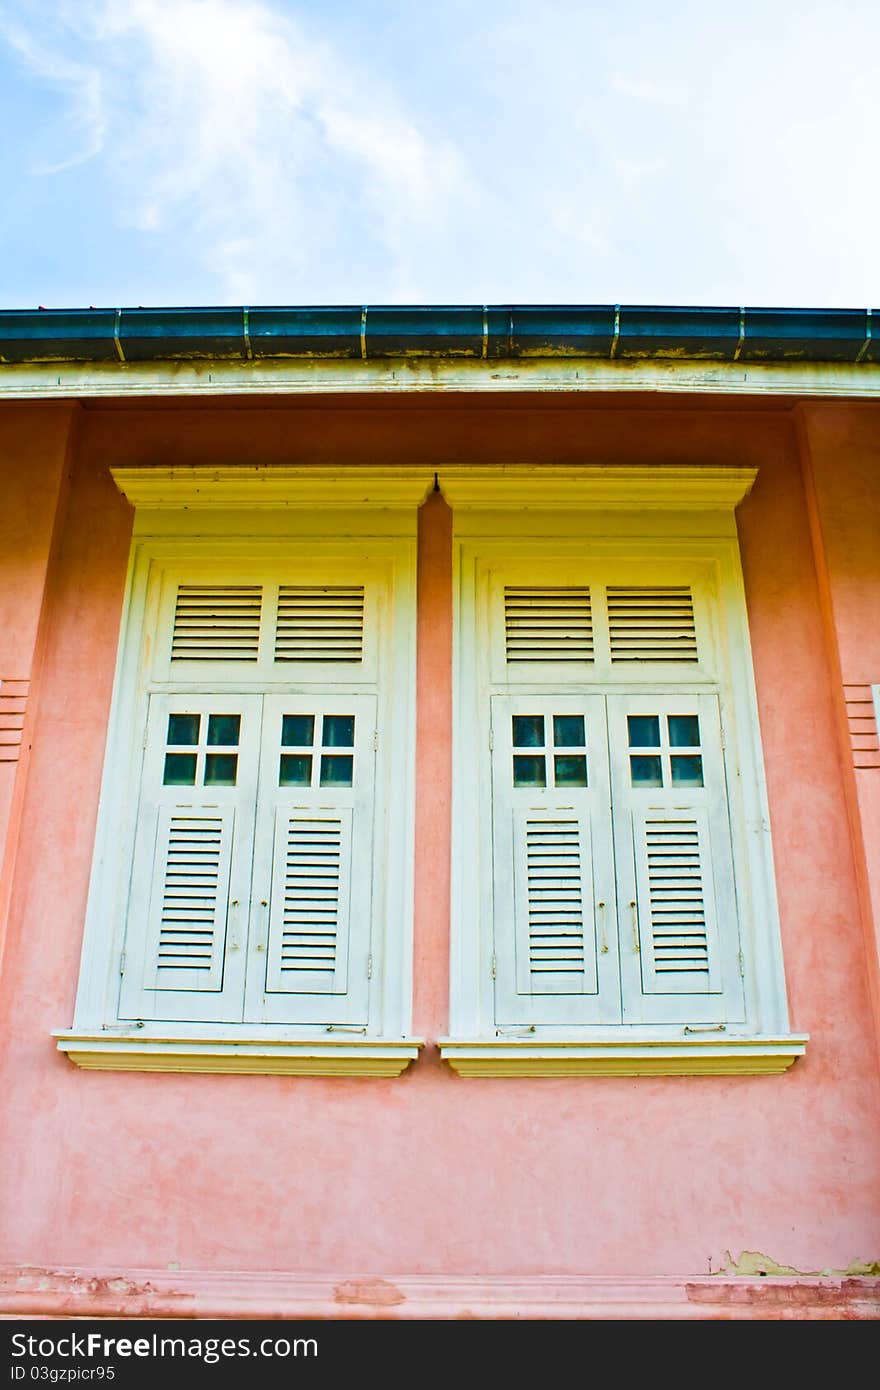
x=342 y=1055
x=107 y=1291
x=696 y=1056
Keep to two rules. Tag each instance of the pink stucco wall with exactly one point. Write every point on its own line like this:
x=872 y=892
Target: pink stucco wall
x=430 y=1173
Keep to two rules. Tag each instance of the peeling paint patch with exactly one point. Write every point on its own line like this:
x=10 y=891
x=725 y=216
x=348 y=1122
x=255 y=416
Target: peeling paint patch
x=753 y=1263
x=95 y=1293
x=839 y=1298
x=376 y=1292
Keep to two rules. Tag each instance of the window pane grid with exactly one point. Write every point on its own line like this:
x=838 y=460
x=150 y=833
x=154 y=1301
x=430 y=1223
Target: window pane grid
x=665 y=751
x=201 y=749
x=557 y=755
x=311 y=750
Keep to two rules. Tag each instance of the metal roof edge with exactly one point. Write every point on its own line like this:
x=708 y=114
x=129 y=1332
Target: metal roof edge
x=488 y=332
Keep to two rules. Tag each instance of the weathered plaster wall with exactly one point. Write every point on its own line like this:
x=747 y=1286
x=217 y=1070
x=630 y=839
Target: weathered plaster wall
x=34 y=467
x=841 y=461
x=432 y=1174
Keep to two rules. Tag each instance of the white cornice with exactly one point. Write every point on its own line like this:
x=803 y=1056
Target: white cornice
x=465 y=486
x=562 y=488
x=262 y=486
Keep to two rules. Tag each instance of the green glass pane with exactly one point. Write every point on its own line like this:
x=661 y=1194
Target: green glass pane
x=684 y=731
x=180 y=770
x=224 y=729
x=568 y=731
x=571 y=770
x=338 y=731
x=529 y=772
x=296 y=770
x=337 y=771
x=687 y=770
x=646 y=771
x=297 y=730
x=183 y=728
x=220 y=769
x=644 y=730
x=528 y=731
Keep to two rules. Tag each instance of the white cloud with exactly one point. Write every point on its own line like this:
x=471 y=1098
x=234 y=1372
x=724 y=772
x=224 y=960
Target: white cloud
x=227 y=125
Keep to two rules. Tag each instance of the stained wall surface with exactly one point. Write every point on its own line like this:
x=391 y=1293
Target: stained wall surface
x=431 y=1173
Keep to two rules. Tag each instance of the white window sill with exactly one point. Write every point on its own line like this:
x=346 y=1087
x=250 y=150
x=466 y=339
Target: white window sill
x=756 y=1055
x=172 y=1050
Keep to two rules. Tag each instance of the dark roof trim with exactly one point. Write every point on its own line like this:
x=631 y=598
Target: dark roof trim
x=478 y=331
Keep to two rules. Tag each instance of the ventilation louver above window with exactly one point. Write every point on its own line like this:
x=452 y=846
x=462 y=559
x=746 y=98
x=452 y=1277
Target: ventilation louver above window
x=651 y=623
x=320 y=624
x=217 y=622
x=544 y=624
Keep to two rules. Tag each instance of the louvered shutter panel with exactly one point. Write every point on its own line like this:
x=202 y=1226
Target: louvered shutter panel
x=651 y=623
x=190 y=903
x=187 y=907
x=320 y=623
x=679 y=926
x=310 y=903
x=548 y=624
x=555 y=950
x=217 y=622
x=554 y=902
x=313 y=863
x=676 y=902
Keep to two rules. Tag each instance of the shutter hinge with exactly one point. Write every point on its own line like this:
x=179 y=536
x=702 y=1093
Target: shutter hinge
x=491 y=739
x=723 y=739
x=742 y=964
x=375 y=740
x=494 y=965
x=369 y=967
x=144 y=739
x=122 y=964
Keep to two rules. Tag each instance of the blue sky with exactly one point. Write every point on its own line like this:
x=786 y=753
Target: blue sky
x=376 y=151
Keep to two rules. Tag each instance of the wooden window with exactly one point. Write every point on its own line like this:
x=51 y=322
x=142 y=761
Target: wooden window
x=614 y=905
x=250 y=904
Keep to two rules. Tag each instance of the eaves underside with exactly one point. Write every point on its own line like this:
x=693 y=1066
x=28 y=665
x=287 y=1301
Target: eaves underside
x=395 y=379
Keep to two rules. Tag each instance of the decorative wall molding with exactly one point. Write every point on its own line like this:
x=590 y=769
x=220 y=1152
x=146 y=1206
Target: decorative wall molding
x=615 y=1056
x=65 y=1292
x=177 y=1051
x=13 y=700
x=276 y=487
x=861 y=716
x=594 y=486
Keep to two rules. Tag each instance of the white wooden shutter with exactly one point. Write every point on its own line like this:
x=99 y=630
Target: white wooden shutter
x=555 y=955
x=553 y=902
x=187 y=908
x=311 y=902
x=190 y=898
x=313 y=865
x=679 y=930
